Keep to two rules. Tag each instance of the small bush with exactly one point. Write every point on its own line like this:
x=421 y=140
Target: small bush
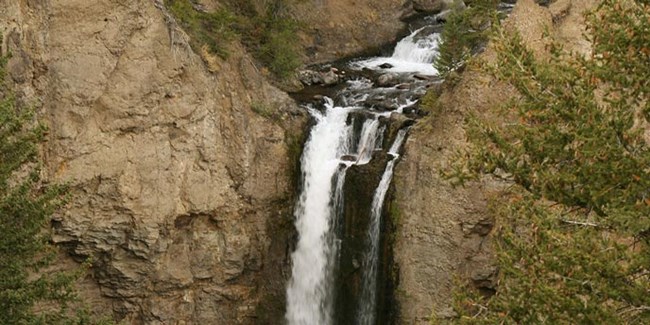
x=269 y=31
x=213 y=29
x=262 y=109
x=264 y=27
x=464 y=33
x=279 y=50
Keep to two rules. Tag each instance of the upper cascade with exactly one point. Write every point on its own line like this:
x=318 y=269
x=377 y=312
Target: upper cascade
x=413 y=54
x=419 y=47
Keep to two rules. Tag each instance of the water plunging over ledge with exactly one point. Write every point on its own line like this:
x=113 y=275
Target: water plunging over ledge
x=367 y=310
x=414 y=53
x=337 y=264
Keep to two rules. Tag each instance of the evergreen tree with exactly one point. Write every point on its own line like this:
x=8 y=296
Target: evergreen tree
x=26 y=205
x=466 y=30
x=574 y=233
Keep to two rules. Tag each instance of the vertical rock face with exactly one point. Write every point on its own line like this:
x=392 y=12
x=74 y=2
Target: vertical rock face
x=181 y=192
x=443 y=232
x=341 y=28
x=434 y=6
x=440 y=231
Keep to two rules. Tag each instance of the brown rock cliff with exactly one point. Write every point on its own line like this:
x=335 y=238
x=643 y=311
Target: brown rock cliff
x=182 y=179
x=443 y=232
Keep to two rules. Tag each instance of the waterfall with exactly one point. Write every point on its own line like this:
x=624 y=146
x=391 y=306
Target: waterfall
x=333 y=246
x=417 y=48
x=397 y=144
x=309 y=293
x=367 y=141
x=333 y=238
x=380 y=138
x=368 y=301
x=414 y=53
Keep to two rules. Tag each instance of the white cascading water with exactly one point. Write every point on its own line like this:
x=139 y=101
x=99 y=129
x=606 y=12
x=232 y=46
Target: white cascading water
x=417 y=49
x=380 y=138
x=309 y=290
x=397 y=144
x=333 y=146
x=414 y=53
x=368 y=301
x=367 y=141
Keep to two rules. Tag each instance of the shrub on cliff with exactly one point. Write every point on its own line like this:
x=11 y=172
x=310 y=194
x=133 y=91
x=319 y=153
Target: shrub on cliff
x=265 y=27
x=26 y=205
x=465 y=31
x=212 y=29
x=269 y=31
x=574 y=231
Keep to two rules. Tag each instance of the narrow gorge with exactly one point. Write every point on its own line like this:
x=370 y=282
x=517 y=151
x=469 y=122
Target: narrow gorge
x=207 y=185
x=341 y=265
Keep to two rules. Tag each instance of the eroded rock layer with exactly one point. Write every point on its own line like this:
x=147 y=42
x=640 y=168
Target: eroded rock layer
x=182 y=178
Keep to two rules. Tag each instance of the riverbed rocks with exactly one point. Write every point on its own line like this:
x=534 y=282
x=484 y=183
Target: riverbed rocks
x=388 y=80
x=310 y=77
x=383 y=104
x=330 y=78
x=326 y=78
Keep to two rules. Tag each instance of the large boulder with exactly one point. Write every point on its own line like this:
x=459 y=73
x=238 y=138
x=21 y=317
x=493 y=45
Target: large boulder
x=342 y=28
x=436 y=6
x=388 y=80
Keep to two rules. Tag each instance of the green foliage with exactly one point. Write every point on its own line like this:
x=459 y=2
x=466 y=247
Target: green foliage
x=559 y=267
x=268 y=29
x=26 y=205
x=571 y=145
x=262 y=109
x=279 y=50
x=213 y=29
x=621 y=38
x=574 y=247
x=265 y=27
x=430 y=101
x=465 y=31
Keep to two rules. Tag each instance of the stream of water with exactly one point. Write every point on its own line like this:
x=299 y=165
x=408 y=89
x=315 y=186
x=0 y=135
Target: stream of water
x=368 y=305
x=351 y=130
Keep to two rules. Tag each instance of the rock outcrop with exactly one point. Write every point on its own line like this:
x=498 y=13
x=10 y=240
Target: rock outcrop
x=181 y=178
x=442 y=231
x=436 y=6
x=342 y=28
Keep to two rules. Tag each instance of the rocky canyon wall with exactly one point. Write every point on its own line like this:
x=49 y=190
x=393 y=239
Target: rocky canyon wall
x=343 y=28
x=182 y=178
x=182 y=166
x=442 y=236
x=183 y=173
